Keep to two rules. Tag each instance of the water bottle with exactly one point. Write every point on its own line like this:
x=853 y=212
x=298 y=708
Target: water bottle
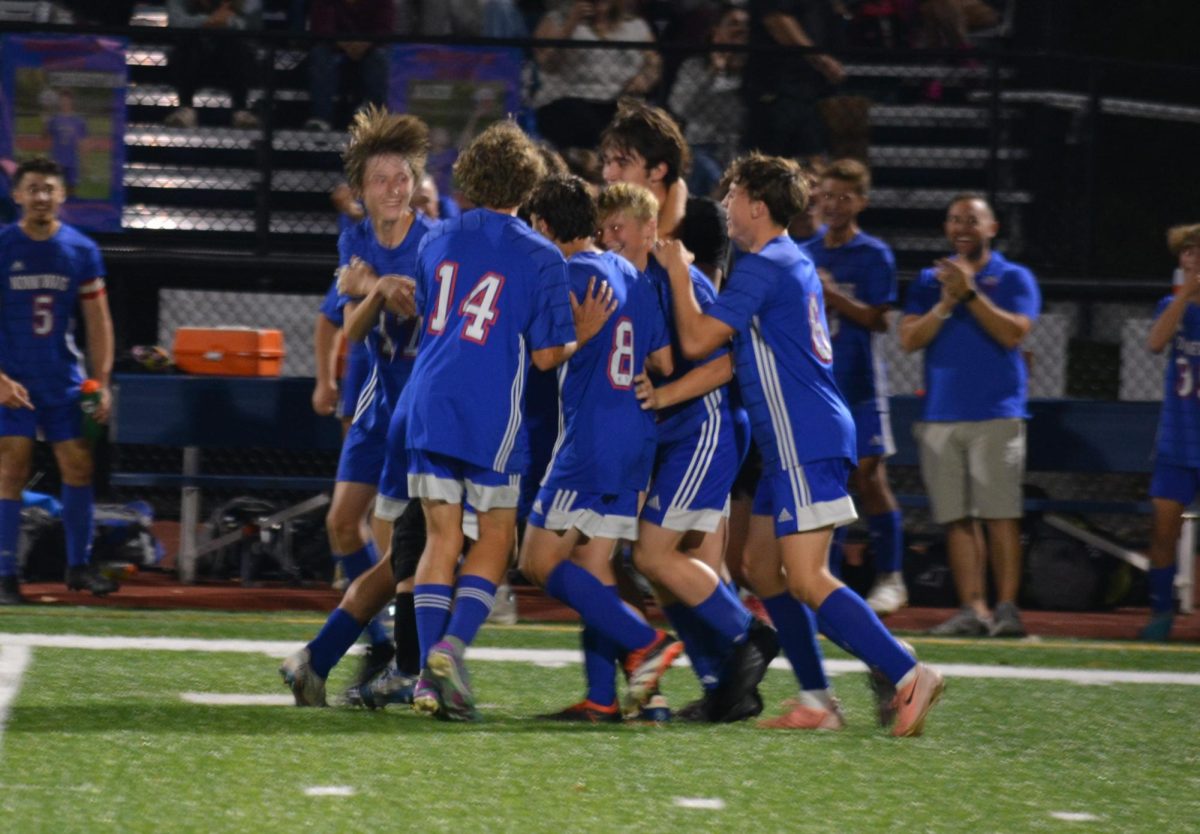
x=89 y=401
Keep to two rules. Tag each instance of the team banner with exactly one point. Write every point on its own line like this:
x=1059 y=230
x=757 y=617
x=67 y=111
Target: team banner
x=64 y=97
x=458 y=91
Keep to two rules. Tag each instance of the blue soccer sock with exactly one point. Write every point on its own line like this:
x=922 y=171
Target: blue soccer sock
x=77 y=504
x=798 y=639
x=474 y=597
x=333 y=641
x=886 y=531
x=355 y=565
x=568 y=583
x=10 y=532
x=864 y=634
x=837 y=551
x=431 y=605
x=1162 y=589
x=724 y=613
x=830 y=632
x=702 y=643
x=600 y=666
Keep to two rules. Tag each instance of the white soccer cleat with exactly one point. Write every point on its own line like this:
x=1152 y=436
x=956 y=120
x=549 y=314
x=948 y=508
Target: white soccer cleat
x=308 y=688
x=888 y=595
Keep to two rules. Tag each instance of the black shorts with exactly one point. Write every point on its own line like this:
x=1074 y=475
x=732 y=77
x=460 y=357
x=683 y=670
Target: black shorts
x=408 y=541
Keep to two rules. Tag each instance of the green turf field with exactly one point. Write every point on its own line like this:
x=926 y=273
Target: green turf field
x=99 y=739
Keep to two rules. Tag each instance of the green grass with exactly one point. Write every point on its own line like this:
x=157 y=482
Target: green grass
x=101 y=741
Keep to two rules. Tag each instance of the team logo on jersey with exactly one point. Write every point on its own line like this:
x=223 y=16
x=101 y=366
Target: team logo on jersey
x=822 y=347
x=785 y=516
x=654 y=503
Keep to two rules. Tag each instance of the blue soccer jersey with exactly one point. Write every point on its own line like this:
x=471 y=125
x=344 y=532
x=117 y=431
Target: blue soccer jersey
x=1179 y=422
x=783 y=358
x=491 y=292
x=392 y=343
x=43 y=281
x=685 y=419
x=864 y=270
x=970 y=376
x=608 y=439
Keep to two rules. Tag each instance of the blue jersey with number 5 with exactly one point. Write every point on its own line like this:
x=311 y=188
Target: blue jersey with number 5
x=1179 y=421
x=43 y=282
x=490 y=292
x=607 y=440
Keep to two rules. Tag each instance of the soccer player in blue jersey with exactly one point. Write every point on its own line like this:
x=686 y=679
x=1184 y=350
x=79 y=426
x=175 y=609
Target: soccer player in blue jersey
x=772 y=309
x=47 y=270
x=494 y=299
x=384 y=161
x=1176 y=476
x=970 y=313
x=588 y=499
x=858 y=276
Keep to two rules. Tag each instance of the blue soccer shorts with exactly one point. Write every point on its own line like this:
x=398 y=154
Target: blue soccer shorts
x=52 y=423
x=594 y=514
x=692 y=479
x=358 y=368
x=807 y=497
x=873 y=431
x=1175 y=483
x=439 y=477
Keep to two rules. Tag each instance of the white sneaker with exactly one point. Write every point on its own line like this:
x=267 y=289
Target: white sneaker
x=888 y=595
x=504 y=612
x=181 y=117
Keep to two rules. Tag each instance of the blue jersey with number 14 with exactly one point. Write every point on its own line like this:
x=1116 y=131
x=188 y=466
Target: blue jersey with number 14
x=607 y=441
x=491 y=292
x=42 y=283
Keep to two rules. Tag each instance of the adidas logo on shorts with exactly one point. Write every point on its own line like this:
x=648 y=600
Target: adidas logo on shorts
x=537 y=506
x=653 y=503
x=785 y=516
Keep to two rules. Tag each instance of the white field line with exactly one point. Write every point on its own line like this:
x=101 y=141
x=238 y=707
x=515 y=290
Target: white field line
x=280 y=649
x=13 y=662
x=219 y=699
x=699 y=803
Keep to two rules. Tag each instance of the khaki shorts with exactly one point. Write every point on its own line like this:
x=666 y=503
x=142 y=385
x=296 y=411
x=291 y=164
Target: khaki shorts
x=972 y=469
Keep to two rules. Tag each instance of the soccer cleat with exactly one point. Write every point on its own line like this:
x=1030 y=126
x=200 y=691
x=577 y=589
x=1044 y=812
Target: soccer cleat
x=645 y=667
x=10 y=591
x=586 y=711
x=698 y=711
x=427 y=698
x=453 y=683
x=801 y=716
x=375 y=660
x=656 y=710
x=915 y=699
x=964 y=623
x=388 y=687
x=87 y=578
x=1158 y=629
x=1006 y=621
x=308 y=688
x=504 y=612
x=743 y=672
x=885 y=691
x=888 y=595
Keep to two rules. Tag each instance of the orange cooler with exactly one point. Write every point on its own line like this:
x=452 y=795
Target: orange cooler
x=229 y=351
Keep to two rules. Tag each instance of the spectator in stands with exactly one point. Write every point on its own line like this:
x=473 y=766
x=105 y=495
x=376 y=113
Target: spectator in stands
x=707 y=98
x=365 y=63
x=970 y=313
x=579 y=88
x=1177 y=457
x=223 y=62
x=782 y=88
x=947 y=24
x=474 y=18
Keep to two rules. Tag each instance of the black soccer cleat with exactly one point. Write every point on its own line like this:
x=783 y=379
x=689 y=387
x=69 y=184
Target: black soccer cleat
x=87 y=578
x=10 y=591
x=744 y=670
x=375 y=660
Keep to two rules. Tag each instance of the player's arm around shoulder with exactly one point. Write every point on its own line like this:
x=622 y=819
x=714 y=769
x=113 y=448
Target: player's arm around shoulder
x=699 y=334
x=1172 y=313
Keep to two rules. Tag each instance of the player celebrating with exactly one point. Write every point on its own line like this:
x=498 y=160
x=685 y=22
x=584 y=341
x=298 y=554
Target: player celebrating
x=47 y=267
x=858 y=276
x=772 y=308
x=589 y=497
x=1174 y=484
x=384 y=161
